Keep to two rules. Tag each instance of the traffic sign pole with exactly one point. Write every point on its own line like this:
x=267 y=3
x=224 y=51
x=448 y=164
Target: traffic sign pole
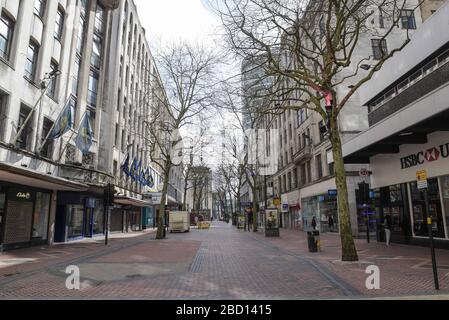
x=423 y=185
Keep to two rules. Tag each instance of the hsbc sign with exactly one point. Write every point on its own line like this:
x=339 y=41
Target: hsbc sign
x=430 y=155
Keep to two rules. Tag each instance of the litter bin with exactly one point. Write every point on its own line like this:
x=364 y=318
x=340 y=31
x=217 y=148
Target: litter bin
x=381 y=234
x=313 y=239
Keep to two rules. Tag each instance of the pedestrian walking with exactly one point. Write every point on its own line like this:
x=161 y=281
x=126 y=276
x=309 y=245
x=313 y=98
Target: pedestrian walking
x=331 y=224
x=388 y=224
x=314 y=224
x=250 y=219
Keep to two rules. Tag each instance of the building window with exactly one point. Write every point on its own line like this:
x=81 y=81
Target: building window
x=309 y=171
x=23 y=141
x=3 y=117
x=31 y=61
x=6 y=35
x=295 y=178
x=303 y=179
x=76 y=72
x=99 y=20
x=96 y=52
x=322 y=129
x=47 y=148
x=73 y=104
x=92 y=116
x=408 y=19
x=117 y=128
x=93 y=88
x=52 y=86
x=319 y=167
x=379 y=48
x=289 y=181
x=39 y=8
x=80 y=41
x=59 y=27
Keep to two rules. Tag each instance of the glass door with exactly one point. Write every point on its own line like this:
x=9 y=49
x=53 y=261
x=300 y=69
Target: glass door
x=420 y=212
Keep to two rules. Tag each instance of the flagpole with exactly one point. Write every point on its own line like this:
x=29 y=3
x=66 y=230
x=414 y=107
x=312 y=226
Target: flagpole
x=44 y=91
x=68 y=141
x=52 y=127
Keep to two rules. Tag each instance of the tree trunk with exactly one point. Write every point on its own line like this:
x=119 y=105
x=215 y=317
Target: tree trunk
x=255 y=218
x=160 y=221
x=349 y=251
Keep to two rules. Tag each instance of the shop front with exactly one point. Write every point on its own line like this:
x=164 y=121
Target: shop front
x=25 y=216
x=323 y=208
x=27 y=206
x=78 y=216
x=128 y=214
x=396 y=191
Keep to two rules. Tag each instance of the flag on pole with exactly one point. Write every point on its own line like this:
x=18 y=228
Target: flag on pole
x=85 y=135
x=149 y=181
x=133 y=171
x=125 y=166
x=63 y=123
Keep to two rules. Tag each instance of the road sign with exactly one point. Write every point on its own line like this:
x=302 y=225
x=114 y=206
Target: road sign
x=421 y=177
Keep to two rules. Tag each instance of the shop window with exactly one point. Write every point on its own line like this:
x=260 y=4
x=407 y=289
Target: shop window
x=41 y=214
x=421 y=213
x=445 y=193
x=98 y=218
x=75 y=220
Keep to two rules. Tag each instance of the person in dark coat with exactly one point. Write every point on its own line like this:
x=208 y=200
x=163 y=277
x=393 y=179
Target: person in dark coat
x=331 y=224
x=250 y=219
x=314 y=224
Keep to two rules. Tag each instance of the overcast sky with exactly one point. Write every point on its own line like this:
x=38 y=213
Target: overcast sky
x=172 y=20
x=169 y=21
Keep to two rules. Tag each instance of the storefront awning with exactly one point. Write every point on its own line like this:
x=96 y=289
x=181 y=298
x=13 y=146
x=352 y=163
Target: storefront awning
x=128 y=201
x=27 y=177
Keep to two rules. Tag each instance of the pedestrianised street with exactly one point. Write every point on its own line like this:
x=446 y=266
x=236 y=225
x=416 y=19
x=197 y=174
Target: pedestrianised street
x=216 y=264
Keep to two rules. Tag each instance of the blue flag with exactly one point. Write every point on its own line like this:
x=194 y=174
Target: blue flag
x=149 y=181
x=125 y=166
x=85 y=135
x=63 y=123
x=134 y=171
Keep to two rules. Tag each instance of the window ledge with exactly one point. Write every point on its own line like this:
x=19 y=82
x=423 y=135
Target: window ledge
x=7 y=63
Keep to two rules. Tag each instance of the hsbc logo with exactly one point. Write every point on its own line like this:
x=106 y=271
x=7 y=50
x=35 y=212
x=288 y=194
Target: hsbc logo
x=431 y=155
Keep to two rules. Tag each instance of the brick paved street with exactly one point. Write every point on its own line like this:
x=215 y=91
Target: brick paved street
x=220 y=263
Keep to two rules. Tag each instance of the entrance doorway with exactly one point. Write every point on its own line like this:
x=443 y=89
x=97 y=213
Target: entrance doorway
x=421 y=213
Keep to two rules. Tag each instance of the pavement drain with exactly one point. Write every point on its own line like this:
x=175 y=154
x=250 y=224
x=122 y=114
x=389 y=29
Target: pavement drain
x=54 y=253
x=198 y=261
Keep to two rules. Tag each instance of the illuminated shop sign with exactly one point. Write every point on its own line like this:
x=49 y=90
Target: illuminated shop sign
x=428 y=156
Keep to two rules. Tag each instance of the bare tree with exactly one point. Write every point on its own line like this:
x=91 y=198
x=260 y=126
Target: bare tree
x=188 y=77
x=313 y=50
